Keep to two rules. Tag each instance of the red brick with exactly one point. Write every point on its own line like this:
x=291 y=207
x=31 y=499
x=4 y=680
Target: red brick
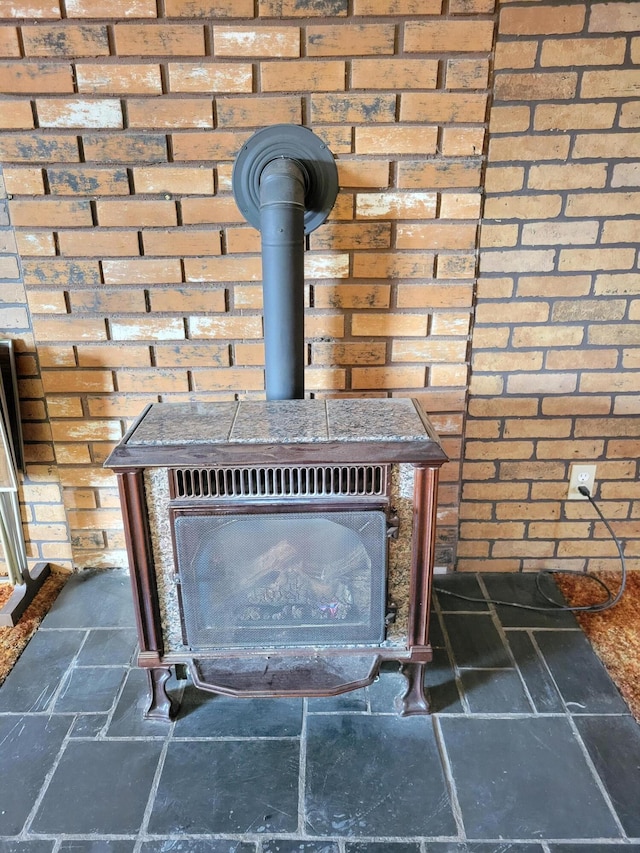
x=295 y=8
x=396 y=205
x=136 y=213
x=448 y=36
x=353 y=109
x=352 y=235
x=363 y=173
x=159 y=40
x=582 y=116
x=210 y=76
x=467 y=73
x=80 y=113
x=387 y=377
x=405 y=139
x=217 y=145
x=87 y=181
x=29 y=9
x=223 y=269
x=539 y=20
x=438 y=173
x=356 y=39
x=108 y=302
x=111 y=8
x=185 y=354
x=178 y=180
x=397 y=7
x=610 y=84
x=141 y=270
x=250 y=111
x=572 y=52
x=124 y=147
x=65 y=40
x=182 y=242
x=614 y=18
x=50 y=212
x=97 y=243
x=9 y=44
x=209 y=8
x=352 y=296
x=306 y=76
x=170 y=113
x=436 y=107
x=23 y=181
x=19 y=117
x=395 y=74
x=524 y=86
x=124 y=78
x=35 y=77
x=269 y=42
x=217 y=209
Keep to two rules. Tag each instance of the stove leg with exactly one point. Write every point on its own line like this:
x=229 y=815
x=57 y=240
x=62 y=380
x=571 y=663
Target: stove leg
x=414 y=700
x=161 y=705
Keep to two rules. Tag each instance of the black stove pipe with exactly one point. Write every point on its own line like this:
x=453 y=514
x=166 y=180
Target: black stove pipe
x=285 y=182
x=282 y=191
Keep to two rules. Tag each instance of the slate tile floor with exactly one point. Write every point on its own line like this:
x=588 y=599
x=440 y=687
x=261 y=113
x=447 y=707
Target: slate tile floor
x=530 y=748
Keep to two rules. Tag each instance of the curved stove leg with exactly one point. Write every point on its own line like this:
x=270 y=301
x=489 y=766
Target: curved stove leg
x=414 y=700
x=161 y=705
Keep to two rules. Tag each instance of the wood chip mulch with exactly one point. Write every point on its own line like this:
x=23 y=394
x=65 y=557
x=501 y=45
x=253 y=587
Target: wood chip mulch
x=615 y=633
x=13 y=640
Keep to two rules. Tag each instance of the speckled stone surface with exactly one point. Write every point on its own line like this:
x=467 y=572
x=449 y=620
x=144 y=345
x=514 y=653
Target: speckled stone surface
x=280 y=421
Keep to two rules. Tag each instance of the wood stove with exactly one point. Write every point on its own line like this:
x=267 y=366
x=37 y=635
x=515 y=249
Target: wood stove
x=280 y=548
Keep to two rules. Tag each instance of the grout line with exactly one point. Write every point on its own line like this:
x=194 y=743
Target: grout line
x=599 y=782
x=302 y=773
x=449 y=778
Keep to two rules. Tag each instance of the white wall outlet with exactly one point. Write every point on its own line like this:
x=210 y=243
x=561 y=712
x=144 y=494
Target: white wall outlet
x=581 y=475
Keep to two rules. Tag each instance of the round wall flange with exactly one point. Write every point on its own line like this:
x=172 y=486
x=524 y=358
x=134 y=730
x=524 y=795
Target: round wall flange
x=296 y=143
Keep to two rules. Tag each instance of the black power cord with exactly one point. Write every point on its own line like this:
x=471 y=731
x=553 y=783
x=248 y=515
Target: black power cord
x=610 y=601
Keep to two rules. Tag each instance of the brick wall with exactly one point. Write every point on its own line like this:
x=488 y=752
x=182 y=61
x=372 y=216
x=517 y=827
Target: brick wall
x=556 y=355
x=120 y=124
x=43 y=515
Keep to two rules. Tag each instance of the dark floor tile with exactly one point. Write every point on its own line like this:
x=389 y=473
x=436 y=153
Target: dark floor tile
x=524 y=778
x=108 y=647
x=355 y=700
x=449 y=587
x=228 y=787
x=475 y=640
x=290 y=846
x=97 y=845
x=614 y=746
x=190 y=845
x=32 y=682
x=26 y=846
x=436 y=636
x=99 y=787
x=594 y=848
x=386 y=692
x=520 y=588
x=440 y=680
x=207 y=715
x=88 y=725
x=579 y=674
x=29 y=747
x=90 y=689
x=128 y=717
x=382 y=847
x=93 y=599
x=494 y=691
x=375 y=775
x=543 y=692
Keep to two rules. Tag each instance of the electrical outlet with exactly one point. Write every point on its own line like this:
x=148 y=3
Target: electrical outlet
x=581 y=475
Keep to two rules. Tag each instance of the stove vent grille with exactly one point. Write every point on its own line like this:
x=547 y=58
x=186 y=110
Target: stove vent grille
x=280 y=482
